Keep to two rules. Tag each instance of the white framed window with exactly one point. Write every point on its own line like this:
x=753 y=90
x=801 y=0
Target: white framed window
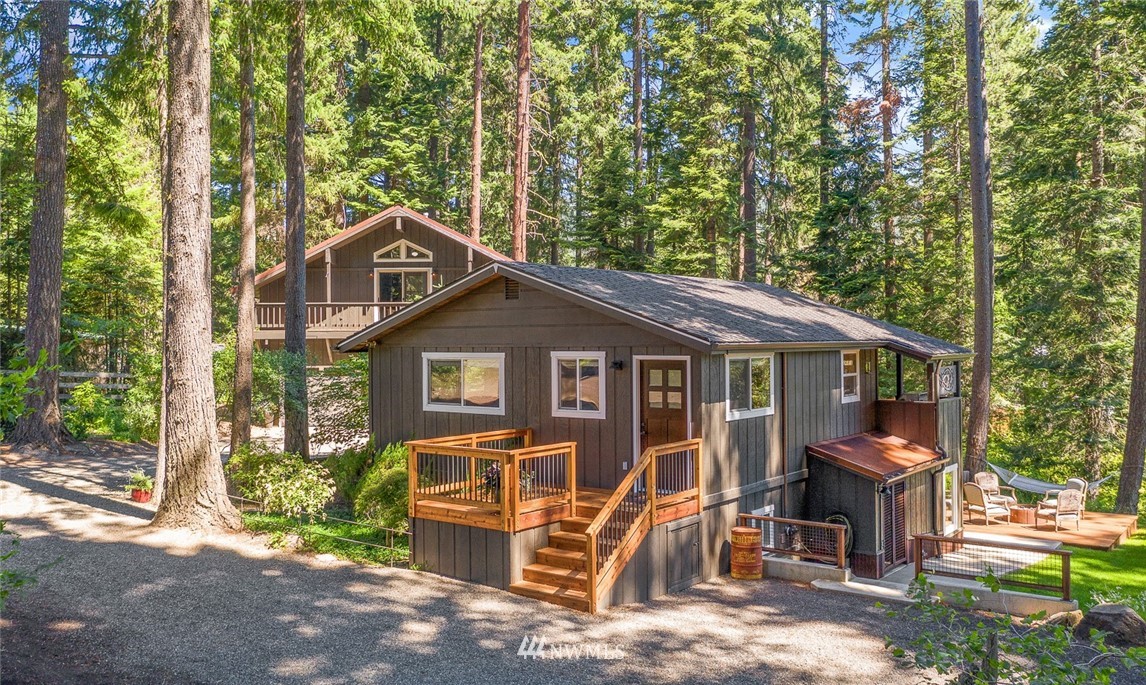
x=748 y=385
x=402 y=285
x=850 y=372
x=403 y=251
x=578 y=381
x=464 y=383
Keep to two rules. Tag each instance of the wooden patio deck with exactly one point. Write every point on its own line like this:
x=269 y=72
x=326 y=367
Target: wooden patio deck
x=1098 y=530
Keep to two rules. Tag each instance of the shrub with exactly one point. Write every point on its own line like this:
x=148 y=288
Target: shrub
x=14 y=391
x=348 y=467
x=86 y=411
x=140 y=410
x=284 y=483
x=266 y=376
x=340 y=402
x=10 y=579
x=394 y=456
x=383 y=497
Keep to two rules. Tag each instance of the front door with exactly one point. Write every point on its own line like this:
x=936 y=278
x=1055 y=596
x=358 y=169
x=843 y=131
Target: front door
x=664 y=402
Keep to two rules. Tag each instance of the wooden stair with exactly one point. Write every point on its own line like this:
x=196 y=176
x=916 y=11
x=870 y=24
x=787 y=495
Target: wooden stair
x=558 y=575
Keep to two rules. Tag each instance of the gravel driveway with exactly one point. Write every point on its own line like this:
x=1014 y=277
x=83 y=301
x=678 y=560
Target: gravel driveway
x=122 y=602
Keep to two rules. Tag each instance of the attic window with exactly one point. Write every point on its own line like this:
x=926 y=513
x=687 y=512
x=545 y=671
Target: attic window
x=512 y=289
x=403 y=251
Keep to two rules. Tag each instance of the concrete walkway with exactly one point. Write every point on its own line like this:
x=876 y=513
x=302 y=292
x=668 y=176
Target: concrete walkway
x=117 y=601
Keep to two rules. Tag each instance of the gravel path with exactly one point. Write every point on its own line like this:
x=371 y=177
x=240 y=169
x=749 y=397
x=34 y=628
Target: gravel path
x=122 y=602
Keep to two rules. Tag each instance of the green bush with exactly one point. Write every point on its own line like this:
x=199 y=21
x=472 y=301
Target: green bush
x=86 y=411
x=394 y=456
x=284 y=483
x=14 y=391
x=348 y=467
x=140 y=410
x=266 y=377
x=383 y=496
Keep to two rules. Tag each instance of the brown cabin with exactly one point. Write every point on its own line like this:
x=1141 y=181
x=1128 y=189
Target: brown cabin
x=364 y=274
x=589 y=437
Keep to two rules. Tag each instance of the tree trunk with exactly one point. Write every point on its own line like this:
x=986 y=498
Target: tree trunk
x=475 y=135
x=747 y=238
x=639 y=126
x=984 y=247
x=521 y=151
x=434 y=139
x=296 y=435
x=195 y=493
x=1134 y=454
x=887 y=112
x=245 y=320
x=42 y=425
x=1098 y=423
x=825 y=115
x=165 y=238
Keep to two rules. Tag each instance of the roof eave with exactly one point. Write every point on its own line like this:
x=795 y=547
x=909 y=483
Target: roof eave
x=920 y=355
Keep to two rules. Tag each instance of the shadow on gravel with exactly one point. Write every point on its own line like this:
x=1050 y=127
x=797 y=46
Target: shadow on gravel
x=62 y=492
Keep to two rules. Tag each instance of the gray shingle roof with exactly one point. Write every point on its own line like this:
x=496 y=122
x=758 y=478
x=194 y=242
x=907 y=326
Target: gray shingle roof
x=704 y=312
x=733 y=313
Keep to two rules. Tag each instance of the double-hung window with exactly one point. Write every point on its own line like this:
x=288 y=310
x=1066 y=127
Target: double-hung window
x=850 y=365
x=578 y=383
x=749 y=385
x=465 y=383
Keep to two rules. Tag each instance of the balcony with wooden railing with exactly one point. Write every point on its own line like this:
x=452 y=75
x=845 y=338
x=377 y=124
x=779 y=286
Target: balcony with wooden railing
x=333 y=317
x=497 y=480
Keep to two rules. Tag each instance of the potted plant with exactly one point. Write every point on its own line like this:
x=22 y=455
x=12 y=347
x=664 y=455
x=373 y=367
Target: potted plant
x=140 y=486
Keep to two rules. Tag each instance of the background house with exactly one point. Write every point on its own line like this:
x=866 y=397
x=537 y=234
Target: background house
x=593 y=369
x=364 y=274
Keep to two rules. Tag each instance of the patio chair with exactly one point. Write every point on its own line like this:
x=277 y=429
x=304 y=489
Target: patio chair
x=995 y=492
x=978 y=502
x=1051 y=499
x=1067 y=507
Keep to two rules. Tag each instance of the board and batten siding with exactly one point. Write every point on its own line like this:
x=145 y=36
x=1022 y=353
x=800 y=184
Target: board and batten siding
x=950 y=428
x=526 y=330
x=352 y=263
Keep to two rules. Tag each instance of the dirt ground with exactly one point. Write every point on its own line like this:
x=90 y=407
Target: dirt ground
x=117 y=601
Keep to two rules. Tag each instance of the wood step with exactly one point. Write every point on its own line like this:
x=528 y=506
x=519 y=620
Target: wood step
x=575 y=524
x=574 y=542
x=555 y=576
x=588 y=510
x=562 y=558
x=572 y=599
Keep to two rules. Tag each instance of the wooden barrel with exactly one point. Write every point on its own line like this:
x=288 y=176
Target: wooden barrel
x=747 y=561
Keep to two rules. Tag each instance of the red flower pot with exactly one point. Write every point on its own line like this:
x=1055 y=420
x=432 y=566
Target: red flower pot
x=141 y=496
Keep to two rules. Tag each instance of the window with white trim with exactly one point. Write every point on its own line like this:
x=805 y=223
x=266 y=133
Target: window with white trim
x=748 y=385
x=469 y=383
x=850 y=368
x=578 y=382
x=403 y=251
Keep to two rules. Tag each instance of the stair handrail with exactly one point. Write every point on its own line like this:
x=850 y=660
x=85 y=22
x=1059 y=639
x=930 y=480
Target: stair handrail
x=646 y=520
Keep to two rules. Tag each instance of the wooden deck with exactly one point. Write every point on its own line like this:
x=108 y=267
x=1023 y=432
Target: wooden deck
x=1098 y=530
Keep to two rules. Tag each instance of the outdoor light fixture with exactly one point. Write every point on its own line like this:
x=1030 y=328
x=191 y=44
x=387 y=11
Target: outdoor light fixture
x=617 y=364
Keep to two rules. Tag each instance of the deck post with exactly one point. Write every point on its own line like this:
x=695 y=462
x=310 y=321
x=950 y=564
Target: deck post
x=571 y=475
x=651 y=488
x=473 y=475
x=1066 y=575
x=591 y=571
x=840 y=543
x=412 y=474
x=898 y=376
x=918 y=556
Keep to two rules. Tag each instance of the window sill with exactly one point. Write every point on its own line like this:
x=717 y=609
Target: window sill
x=737 y=414
x=850 y=400
x=455 y=409
x=572 y=414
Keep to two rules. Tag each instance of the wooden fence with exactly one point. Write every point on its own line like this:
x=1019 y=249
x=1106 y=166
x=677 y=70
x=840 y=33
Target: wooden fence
x=113 y=385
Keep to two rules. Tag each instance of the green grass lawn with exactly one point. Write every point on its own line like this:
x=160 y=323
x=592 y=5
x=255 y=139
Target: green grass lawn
x=1121 y=572
x=322 y=537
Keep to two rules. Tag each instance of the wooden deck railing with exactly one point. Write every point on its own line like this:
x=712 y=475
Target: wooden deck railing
x=814 y=540
x=1014 y=565
x=327 y=316
x=501 y=472
x=665 y=479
